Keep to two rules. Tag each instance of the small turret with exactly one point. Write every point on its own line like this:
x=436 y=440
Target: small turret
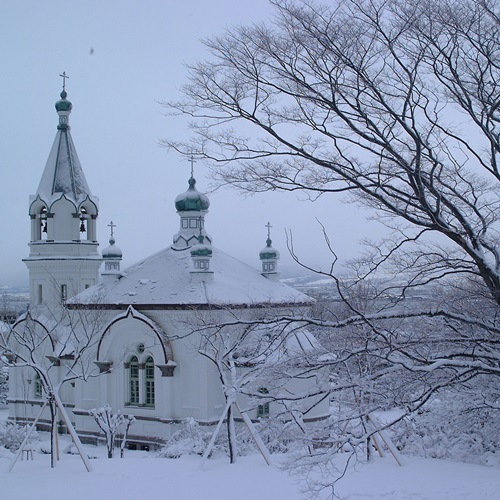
x=112 y=256
x=201 y=254
x=269 y=258
x=192 y=206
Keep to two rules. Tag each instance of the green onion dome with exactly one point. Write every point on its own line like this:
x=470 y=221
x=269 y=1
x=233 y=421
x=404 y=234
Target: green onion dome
x=269 y=252
x=192 y=199
x=64 y=104
x=201 y=249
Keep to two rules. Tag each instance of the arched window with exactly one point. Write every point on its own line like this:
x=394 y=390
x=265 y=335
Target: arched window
x=134 y=381
x=83 y=223
x=38 y=389
x=149 y=382
x=43 y=224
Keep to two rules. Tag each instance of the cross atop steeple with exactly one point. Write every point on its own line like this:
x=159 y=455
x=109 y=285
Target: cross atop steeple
x=192 y=161
x=268 y=225
x=64 y=76
x=112 y=226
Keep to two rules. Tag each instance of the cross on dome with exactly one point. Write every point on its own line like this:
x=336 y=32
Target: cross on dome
x=268 y=225
x=64 y=76
x=112 y=226
x=269 y=241
x=192 y=161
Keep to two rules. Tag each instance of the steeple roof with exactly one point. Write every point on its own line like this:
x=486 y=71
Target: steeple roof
x=63 y=174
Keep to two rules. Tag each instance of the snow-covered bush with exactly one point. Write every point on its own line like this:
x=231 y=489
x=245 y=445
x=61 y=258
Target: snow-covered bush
x=244 y=442
x=190 y=439
x=4 y=384
x=193 y=439
x=112 y=425
x=450 y=428
x=277 y=435
x=12 y=435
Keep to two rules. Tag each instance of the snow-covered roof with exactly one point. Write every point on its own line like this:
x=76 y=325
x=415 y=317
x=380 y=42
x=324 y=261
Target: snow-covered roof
x=63 y=173
x=164 y=279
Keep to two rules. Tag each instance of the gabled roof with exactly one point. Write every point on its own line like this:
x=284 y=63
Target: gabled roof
x=164 y=281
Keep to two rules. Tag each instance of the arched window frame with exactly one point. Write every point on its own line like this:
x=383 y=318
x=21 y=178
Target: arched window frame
x=37 y=387
x=43 y=223
x=149 y=382
x=141 y=381
x=133 y=381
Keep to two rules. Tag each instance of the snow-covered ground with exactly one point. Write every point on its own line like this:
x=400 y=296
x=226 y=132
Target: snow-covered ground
x=139 y=474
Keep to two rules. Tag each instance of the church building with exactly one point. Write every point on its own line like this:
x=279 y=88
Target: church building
x=151 y=325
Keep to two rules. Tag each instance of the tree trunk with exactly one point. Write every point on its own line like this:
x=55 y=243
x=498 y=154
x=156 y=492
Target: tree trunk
x=110 y=438
x=53 y=431
x=231 y=435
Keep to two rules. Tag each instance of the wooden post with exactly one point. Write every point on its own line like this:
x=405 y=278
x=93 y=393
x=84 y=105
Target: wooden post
x=258 y=441
x=73 y=433
x=214 y=435
x=385 y=438
x=25 y=440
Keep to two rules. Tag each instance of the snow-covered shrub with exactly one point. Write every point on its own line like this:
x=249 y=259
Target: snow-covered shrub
x=193 y=439
x=452 y=426
x=277 y=435
x=4 y=384
x=112 y=425
x=12 y=435
x=244 y=442
x=190 y=439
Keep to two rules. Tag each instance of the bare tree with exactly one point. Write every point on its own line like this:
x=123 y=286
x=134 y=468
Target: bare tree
x=394 y=104
x=54 y=347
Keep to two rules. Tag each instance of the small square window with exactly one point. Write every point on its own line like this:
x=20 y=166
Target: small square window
x=193 y=223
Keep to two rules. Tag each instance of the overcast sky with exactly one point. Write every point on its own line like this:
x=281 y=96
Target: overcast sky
x=123 y=58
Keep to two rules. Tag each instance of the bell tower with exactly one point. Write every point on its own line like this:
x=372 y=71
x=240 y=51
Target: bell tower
x=63 y=259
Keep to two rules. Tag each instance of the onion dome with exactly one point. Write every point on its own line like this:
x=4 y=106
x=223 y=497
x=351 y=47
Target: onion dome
x=201 y=254
x=192 y=200
x=112 y=252
x=269 y=252
x=201 y=249
x=64 y=104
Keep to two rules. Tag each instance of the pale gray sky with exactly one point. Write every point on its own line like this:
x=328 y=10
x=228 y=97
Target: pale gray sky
x=123 y=57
